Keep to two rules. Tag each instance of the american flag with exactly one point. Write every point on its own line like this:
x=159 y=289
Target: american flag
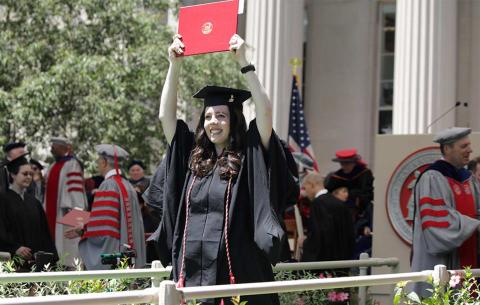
x=298 y=137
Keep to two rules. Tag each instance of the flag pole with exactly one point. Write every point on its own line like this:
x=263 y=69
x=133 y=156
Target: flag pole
x=295 y=62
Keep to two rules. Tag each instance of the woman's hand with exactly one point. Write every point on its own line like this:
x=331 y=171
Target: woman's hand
x=237 y=47
x=24 y=252
x=175 y=50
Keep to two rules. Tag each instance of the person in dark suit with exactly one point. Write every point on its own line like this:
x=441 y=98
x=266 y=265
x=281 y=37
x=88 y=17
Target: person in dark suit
x=332 y=234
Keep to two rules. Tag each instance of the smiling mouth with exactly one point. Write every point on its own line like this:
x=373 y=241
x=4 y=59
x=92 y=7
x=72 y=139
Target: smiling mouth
x=215 y=132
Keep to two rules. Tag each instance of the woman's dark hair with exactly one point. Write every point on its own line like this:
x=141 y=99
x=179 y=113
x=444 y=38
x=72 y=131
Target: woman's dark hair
x=14 y=165
x=472 y=164
x=204 y=157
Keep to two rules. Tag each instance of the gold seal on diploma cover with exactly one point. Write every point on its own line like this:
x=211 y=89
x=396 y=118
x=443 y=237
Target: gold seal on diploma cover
x=207 y=28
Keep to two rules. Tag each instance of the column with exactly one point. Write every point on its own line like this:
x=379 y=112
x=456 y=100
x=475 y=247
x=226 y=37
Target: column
x=425 y=65
x=275 y=29
x=474 y=103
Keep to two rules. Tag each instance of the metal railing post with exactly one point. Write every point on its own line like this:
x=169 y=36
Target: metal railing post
x=156 y=278
x=394 y=268
x=440 y=276
x=362 y=291
x=169 y=295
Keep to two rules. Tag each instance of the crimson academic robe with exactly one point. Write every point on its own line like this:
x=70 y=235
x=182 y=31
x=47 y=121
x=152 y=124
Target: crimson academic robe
x=65 y=190
x=446 y=224
x=260 y=193
x=114 y=222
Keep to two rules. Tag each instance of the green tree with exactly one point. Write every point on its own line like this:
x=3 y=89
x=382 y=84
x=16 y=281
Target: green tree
x=93 y=70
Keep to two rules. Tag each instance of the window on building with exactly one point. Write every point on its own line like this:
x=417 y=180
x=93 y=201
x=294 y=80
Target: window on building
x=387 y=55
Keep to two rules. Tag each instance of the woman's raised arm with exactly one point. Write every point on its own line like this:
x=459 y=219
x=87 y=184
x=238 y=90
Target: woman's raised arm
x=168 y=100
x=263 y=107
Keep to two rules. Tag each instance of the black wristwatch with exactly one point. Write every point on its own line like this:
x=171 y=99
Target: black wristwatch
x=247 y=68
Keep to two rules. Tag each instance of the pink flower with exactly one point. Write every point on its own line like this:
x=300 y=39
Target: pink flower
x=299 y=301
x=332 y=296
x=455 y=280
x=322 y=276
x=342 y=296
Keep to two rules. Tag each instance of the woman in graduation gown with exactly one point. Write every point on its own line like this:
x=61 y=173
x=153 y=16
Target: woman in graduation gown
x=225 y=186
x=23 y=224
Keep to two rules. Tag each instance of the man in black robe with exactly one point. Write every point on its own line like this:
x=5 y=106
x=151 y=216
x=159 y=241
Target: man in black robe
x=332 y=235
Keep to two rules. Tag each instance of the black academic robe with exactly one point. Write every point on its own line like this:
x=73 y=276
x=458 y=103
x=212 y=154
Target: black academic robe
x=360 y=194
x=332 y=235
x=23 y=223
x=359 y=183
x=4 y=181
x=260 y=193
x=154 y=193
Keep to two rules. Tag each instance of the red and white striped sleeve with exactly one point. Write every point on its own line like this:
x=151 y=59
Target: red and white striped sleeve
x=105 y=215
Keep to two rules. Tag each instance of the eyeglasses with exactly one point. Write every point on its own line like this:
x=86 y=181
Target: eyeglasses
x=27 y=174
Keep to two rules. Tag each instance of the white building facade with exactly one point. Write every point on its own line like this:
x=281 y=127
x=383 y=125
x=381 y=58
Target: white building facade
x=370 y=66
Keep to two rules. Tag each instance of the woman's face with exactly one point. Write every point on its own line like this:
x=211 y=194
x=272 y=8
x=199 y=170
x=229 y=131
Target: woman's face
x=341 y=194
x=37 y=173
x=24 y=177
x=217 y=125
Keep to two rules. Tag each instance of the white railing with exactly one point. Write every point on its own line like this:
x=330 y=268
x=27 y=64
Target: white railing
x=440 y=274
x=150 y=295
x=157 y=273
x=167 y=292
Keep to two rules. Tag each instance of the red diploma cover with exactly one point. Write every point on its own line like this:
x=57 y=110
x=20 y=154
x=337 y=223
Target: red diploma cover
x=74 y=218
x=207 y=28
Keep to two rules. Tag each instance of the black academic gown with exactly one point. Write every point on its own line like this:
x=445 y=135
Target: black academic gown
x=23 y=223
x=4 y=183
x=332 y=235
x=154 y=193
x=259 y=195
x=359 y=183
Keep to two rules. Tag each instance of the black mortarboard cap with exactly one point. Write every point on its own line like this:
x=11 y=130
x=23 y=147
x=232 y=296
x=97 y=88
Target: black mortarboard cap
x=333 y=183
x=12 y=145
x=136 y=162
x=36 y=163
x=13 y=165
x=215 y=95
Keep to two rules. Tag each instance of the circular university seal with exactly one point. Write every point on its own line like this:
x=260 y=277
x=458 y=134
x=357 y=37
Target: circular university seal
x=399 y=197
x=207 y=28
